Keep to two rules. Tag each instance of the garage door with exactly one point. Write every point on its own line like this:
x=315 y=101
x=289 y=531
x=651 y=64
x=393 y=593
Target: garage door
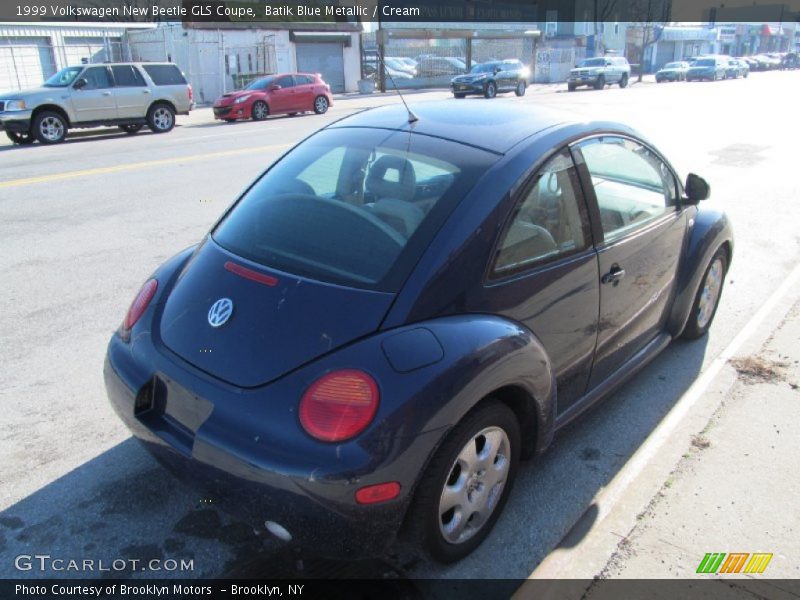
x=25 y=62
x=325 y=58
x=82 y=50
x=664 y=54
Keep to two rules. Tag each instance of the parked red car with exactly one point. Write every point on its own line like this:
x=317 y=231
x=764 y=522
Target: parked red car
x=283 y=93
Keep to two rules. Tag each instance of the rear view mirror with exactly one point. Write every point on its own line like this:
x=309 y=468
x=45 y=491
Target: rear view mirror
x=81 y=83
x=697 y=188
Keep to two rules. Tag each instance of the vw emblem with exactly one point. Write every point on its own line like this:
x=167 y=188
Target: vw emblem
x=220 y=312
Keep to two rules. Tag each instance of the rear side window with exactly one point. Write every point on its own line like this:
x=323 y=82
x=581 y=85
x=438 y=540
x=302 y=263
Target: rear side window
x=304 y=79
x=549 y=222
x=127 y=76
x=352 y=206
x=165 y=74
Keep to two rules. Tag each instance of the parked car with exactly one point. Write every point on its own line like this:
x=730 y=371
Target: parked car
x=752 y=64
x=392 y=316
x=673 y=71
x=399 y=65
x=709 y=68
x=438 y=66
x=790 y=61
x=736 y=68
x=285 y=93
x=409 y=62
x=492 y=78
x=599 y=72
x=128 y=95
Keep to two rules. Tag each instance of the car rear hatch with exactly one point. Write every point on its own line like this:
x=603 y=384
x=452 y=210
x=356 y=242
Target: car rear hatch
x=278 y=321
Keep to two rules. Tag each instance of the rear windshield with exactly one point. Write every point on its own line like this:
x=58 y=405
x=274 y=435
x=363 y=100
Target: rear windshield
x=165 y=74
x=352 y=206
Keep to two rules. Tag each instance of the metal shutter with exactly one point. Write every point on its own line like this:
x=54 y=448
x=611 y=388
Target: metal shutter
x=83 y=50
x=325 y=58
x=25 y=62
x=664 y=54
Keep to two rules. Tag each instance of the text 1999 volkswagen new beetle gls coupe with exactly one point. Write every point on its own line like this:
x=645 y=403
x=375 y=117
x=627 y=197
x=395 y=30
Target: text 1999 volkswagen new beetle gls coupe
x=395 y=313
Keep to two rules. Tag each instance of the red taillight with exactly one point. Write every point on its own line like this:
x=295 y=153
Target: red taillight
x=339 y=405
x=140 y=303
x=372 y=494
x=190 y=91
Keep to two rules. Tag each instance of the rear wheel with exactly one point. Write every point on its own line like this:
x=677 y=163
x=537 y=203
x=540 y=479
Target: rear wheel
x=20 y=138
x=467 y=483
x=260 y=110
x=520 y=91
x=321 y=105
x=490 y=91
x=707 y=299
x=623 y=83
x=160 y=118
x=49 y=127
x=133 y=128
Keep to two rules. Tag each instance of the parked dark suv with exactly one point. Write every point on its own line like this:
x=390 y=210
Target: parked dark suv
x=491 y=78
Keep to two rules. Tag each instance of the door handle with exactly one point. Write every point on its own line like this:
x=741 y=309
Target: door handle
x=145 y=91
x=614 y=275
x=106 y=93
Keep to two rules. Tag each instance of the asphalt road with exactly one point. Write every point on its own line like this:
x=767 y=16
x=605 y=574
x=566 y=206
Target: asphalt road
x=83 y=224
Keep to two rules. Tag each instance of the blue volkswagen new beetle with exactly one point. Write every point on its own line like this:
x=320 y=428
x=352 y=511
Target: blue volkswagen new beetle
x=398 y=311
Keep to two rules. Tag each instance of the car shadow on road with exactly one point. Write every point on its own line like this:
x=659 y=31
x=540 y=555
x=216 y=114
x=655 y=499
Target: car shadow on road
x=122 y=505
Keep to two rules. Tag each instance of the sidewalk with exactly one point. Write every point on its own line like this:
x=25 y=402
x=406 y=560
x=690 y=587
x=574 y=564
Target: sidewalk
x=736 y=489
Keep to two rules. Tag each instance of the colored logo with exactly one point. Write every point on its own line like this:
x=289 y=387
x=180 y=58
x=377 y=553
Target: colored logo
x=220 y=312
x=735 y=562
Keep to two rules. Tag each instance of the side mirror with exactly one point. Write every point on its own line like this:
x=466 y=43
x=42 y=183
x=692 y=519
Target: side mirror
x=697 y=188
x=274 y=87
x=81 y=83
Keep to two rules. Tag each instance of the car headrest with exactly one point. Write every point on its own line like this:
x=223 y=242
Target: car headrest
x=402 y=186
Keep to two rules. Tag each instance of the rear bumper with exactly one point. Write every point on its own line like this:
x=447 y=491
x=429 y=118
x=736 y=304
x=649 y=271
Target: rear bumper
x=18 y=121
x=221 y=448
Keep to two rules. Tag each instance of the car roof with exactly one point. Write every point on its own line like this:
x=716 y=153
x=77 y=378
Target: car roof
x=493 y=126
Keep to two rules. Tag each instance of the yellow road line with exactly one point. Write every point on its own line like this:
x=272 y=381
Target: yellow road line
x=133 y=166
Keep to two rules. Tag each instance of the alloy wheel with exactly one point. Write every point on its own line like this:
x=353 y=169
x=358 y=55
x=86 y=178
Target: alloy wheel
x=710 y=294
x=51 y=128
x=162 y=118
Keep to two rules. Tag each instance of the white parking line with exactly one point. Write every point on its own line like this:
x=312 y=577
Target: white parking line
x=557 y=564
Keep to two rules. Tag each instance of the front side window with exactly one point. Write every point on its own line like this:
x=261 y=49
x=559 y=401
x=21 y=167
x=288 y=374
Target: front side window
x=549 y=222
x=355 y=207
x=632 y=184
x=285 y=82
x=96 y=78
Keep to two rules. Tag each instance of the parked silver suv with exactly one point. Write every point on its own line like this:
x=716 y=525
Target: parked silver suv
x=600 y=72
x=129 y=95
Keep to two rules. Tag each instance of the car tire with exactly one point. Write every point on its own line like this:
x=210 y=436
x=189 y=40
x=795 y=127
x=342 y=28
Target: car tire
x=260 y=110
x=521 y=87
x=600 y=83
x=571 y=88
x=131 y=128
x=321 y=105
x=49 y=127
x=706 y=301
x=23 y=139
x=623 y=83
x=485 y=443
x=161 y=118
x=490 y=90
x=459 y=96
x=659 y=80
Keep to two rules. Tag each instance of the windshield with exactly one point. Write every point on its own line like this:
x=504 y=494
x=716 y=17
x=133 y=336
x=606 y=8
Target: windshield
x=593 y=62
x=259 y=84
x=352 y=206
x=64 y=77
x=674 y=65
x=484 y=68
x=705 y=62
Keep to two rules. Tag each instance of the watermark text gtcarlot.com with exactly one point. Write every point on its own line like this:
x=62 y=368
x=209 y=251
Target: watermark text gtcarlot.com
x=46 y=563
